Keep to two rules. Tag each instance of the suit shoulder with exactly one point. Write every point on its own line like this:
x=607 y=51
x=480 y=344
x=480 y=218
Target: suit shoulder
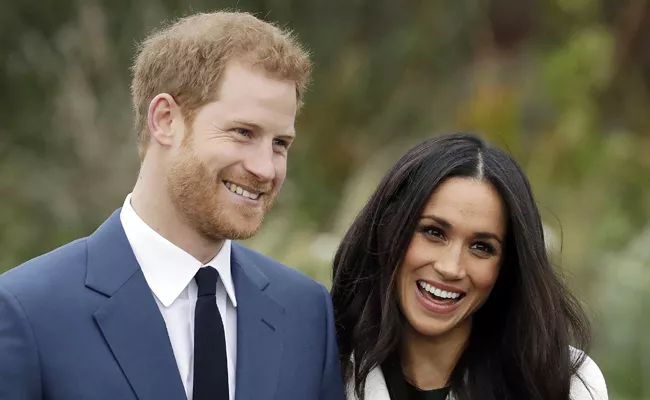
x=278 y=272
x=47 y=269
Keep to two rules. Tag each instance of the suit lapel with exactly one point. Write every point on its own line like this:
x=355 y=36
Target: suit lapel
x=129 y=319
x=259 y=330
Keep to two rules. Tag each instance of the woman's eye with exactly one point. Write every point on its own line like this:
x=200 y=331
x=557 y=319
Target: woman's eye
x=483 y=248
x=433 y=232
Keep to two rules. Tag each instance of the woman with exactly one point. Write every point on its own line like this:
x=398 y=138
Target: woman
x=442 y=287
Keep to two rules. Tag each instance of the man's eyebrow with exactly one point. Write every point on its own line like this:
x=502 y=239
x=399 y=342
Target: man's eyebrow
x=254 y=126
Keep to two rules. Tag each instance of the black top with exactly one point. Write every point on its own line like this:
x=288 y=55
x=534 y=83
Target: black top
x=400 y=389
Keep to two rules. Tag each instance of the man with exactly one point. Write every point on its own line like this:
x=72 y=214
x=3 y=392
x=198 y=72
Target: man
x=158 y=303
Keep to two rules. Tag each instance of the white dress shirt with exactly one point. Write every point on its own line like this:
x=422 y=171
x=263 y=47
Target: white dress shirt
x=169 y=272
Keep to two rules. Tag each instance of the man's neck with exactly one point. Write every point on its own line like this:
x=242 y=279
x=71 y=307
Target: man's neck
x=427 y=362
x=153 y=206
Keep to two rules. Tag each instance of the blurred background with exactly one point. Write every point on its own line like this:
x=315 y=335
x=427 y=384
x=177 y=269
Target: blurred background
x=562 y=85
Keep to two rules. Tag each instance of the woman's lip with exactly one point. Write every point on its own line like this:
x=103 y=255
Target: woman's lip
x=433 y=306
x=444 y=287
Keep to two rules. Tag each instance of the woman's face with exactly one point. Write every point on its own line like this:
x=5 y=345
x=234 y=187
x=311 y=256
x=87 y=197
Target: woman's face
x=454 y=257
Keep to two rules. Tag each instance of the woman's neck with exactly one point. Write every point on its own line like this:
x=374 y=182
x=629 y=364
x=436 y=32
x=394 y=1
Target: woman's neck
x=427 y=362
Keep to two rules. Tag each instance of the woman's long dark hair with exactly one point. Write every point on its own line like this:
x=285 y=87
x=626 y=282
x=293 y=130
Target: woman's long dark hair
x=519 y=346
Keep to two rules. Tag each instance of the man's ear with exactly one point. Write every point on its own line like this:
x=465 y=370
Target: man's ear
x=163 y=109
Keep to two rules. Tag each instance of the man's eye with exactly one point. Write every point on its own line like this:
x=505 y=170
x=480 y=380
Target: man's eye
x=243 y=131
x=281 y=143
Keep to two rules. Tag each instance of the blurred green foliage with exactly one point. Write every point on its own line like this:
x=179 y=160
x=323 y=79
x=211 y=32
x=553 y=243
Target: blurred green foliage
x=563 y=85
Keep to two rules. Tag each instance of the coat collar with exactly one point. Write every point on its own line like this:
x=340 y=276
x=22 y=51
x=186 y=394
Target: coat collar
x=129 y=319
x=376 y=388
x=260 y=326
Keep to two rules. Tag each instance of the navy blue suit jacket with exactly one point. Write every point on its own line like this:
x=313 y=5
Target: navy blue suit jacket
x=81 y=323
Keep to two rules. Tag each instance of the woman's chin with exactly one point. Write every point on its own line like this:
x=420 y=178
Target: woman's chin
x=436 y=326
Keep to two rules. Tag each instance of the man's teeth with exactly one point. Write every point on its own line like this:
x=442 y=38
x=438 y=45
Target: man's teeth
x=437 y=292
x=242 y=192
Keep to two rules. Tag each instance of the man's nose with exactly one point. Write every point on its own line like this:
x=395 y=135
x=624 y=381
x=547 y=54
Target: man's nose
x=259 y=162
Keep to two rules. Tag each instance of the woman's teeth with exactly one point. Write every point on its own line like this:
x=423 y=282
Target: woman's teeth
x=437 y=292
x=242 y=192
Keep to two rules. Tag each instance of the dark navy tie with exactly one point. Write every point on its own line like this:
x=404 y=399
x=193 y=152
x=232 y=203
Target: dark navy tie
x=210 y=361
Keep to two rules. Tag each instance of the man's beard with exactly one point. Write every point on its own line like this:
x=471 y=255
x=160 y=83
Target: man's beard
x=197 y=194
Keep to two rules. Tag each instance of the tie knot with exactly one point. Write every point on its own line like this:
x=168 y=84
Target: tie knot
x=206 y=280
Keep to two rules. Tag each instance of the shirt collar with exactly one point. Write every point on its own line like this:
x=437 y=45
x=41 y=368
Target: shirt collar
x=167 y=268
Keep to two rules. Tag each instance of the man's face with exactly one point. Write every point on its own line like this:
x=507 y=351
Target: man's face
x=233 y=160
